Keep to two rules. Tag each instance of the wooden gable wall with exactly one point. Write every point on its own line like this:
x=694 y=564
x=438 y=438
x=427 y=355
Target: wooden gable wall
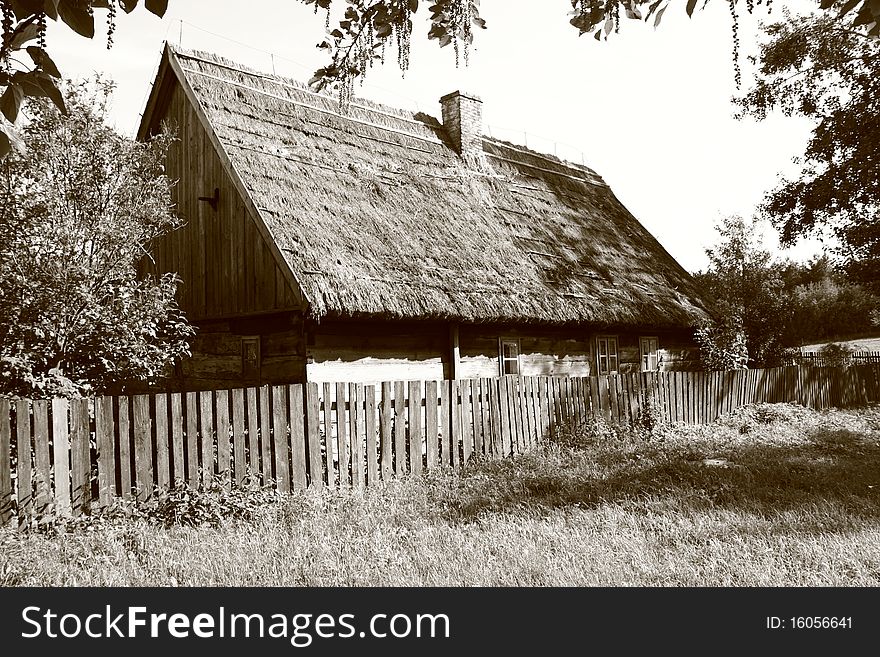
x=226 y=265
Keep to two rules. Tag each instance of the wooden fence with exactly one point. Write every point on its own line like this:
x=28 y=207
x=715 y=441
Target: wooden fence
x=819 y=359
x=64 y=456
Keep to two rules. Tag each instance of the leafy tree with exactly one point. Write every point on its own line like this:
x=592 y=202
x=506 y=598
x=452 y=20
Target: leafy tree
x=79 y=210
x=818 y=67
x=747 y=292
x=367 y=27
x=26 y=69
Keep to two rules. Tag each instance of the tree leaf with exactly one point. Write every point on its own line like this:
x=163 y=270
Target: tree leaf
x=691 y=5
x=5 y=144
x=659 y=16
x=10 y=102
x=41 y=58
x=25 y=34
x=77 y=17
x=128 y=6
x=158 y=7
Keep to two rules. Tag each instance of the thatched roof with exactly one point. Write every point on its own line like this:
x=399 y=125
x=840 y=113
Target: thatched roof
x=376 y=214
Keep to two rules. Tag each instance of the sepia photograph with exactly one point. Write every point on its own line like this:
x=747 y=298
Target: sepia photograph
x=341 y=295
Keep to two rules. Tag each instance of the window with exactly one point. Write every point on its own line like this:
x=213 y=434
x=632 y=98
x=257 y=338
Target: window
x=250 y=357
x=508 y=352
x=650 y=349
x=606 y=350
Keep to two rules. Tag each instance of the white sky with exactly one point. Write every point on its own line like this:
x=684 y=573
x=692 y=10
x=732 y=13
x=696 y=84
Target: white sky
x=649 y=110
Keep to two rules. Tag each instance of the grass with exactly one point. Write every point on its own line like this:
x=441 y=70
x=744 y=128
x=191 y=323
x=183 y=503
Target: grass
x=770 y=495
x=860 y=344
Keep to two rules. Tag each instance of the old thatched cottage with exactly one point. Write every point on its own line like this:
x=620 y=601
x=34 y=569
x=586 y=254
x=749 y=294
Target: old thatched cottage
x=379 y=244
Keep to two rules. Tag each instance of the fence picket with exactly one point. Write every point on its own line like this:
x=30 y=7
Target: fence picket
x=341 y=439
x=104 y=432
x=431 y=447
x=400 y=454
x=192 y=439
x=280 y=441
x=163 y=472
x=177 y=437
x=467 y=422
x=313 y=431
x=143 y=452
x=385 y=435
x=42 y=474
x=445 y=429
x=297 y=437
x=24 y=468
x=206 y=436
x=126 y=481
x=239 y=458
x=415 y=426
x=6 y=492
x=80 y=457
x=356 y=425
x=329 y=443
x=455 y=424
x=372 y=452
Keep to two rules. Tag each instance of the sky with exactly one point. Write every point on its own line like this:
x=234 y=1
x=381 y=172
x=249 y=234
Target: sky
x=649 y=110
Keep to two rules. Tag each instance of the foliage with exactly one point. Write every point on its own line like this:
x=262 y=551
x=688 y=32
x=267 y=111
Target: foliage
x=24 y=21
x=367 y=26
x=76 y=217
x=831 y=308
x=749 y=303
x=836 y=355
x=722 y=344
x=816 y=67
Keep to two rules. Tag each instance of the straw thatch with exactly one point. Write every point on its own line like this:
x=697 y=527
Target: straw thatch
x=377 y=216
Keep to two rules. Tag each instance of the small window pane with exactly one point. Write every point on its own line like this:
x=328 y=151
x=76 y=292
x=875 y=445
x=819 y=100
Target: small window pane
x=510 y=349
x=511 y=367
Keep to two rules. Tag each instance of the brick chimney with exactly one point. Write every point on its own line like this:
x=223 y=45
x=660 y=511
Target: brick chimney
x=463 y=122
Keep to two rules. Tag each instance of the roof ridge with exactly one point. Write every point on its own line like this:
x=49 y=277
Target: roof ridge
x=362 y=103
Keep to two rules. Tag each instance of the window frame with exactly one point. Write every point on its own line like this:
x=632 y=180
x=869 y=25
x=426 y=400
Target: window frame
x=502 y=360
x=642 y=353
x=608 y=339
x=253 y=372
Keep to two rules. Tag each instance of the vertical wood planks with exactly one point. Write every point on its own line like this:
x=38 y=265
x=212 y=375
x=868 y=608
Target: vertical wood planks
x=239 y=458
x=206 y=431
x=42 y=474
x=329 y=443
x=341 y=431
x=355 y=435
x=221 y=406
x=104 y=443
x=192 y=439
x=495 y=442
x=179 y=468
x=445 y=429
x=280 y=443
x=455 y=423
x=400 y=462
x=61 y=454
x=143 y=453
x=266 y=435
x=163 y=471
x=297 y=437
x=385 y=433
x=24 y=471
x=431 y=447
x=504 y=399
x=253 y=428
x=126 y=481
x=313 y=431
x=414 y=406
x=80 y=457
x=467 y=422
x=372 y=452
x=5 y=463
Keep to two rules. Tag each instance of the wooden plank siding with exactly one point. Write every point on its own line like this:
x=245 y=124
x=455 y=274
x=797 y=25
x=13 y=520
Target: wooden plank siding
x=221 y=276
